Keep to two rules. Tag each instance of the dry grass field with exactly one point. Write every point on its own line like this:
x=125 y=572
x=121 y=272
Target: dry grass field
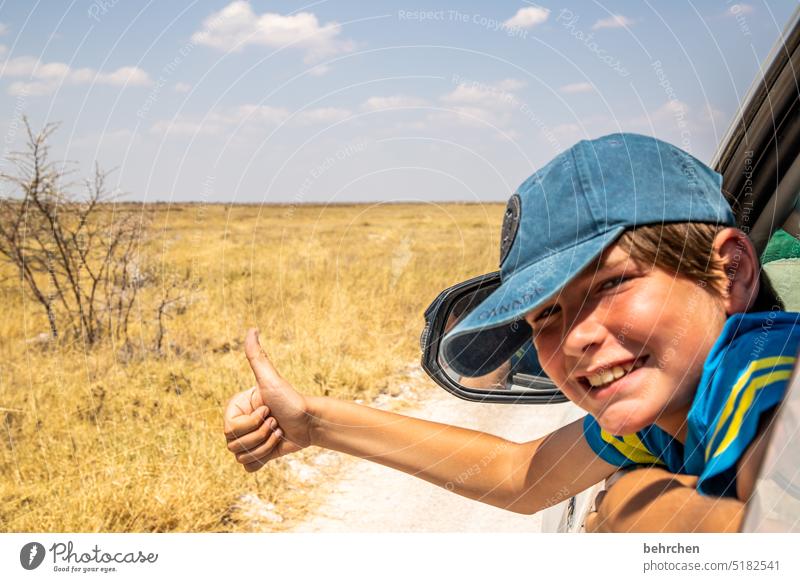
x=106 y=439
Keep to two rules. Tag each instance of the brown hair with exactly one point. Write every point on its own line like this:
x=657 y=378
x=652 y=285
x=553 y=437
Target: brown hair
x=686 y=248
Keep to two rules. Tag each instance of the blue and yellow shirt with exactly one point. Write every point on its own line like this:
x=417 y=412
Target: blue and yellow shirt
x=745 y=376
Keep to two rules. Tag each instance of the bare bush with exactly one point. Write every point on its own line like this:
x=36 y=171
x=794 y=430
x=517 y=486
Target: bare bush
x=76 y=254
x=177 y=290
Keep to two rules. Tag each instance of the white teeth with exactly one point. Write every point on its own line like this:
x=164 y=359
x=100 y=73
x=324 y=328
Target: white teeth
x=607 y=376
x=603 y=377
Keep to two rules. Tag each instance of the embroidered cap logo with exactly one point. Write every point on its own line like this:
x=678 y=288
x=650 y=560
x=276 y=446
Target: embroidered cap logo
x=510 y=226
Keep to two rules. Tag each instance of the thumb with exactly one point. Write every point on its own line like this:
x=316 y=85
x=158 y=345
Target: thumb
x=265 y=372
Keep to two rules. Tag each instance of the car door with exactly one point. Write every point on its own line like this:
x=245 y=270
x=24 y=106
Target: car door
x=762 y=152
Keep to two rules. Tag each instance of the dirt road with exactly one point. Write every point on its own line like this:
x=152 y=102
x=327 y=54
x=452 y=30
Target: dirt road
x=367 y=497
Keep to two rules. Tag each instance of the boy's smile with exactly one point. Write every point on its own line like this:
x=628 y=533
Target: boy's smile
x=627 y=342
x=601 y=376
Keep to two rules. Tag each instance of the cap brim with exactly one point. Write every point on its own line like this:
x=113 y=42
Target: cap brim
x=492 y=332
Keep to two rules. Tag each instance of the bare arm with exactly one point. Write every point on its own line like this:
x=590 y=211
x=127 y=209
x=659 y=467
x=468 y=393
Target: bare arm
x=654 y=500
x=521 y=477
x=750 y=464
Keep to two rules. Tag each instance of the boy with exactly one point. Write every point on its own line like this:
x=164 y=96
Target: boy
x=620 y=257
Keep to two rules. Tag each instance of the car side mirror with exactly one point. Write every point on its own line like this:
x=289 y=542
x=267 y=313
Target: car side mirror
x=519 y=380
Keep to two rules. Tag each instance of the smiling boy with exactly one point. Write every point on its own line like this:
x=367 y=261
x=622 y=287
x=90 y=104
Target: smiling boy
x=622 y=259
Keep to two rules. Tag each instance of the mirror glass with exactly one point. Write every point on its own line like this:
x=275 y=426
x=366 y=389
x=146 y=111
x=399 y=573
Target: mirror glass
x=521 y=372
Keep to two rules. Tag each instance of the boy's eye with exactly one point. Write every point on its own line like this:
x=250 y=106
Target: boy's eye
x=546 y=313
x=611 y=283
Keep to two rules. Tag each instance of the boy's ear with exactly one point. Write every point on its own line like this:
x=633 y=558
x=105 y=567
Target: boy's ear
x=740 y=262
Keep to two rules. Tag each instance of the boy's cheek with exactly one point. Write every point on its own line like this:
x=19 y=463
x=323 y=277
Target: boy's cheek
x=549 y=357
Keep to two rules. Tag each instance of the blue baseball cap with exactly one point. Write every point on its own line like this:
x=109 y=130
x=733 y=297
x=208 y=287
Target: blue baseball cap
x=564 y=216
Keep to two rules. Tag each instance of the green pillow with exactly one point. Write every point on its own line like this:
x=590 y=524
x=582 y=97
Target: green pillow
x=781 y=260
x=782 y=245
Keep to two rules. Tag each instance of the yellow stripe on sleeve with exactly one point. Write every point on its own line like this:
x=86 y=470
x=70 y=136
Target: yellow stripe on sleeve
x=744 y=405
x=632 y=448
x=754 y=366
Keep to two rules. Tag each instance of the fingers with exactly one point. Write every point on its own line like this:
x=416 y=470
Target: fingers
x=236 y=407
x=239 y=425
x=255 y=398
x=265 y=453
x=243 y=403
x=250 y=441
x=261 y=452
x=253 y=467
x=260 y=363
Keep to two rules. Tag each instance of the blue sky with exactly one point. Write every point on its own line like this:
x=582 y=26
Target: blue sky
x=339 y=101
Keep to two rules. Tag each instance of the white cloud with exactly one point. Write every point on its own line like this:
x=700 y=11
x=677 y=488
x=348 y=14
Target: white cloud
x=576 y=88
x=181 y=87
x=35 y=89
x=710 y=114
x=237 y=26
x=322 y=116
x=527 y=17
x=173 y=127
x=673 y=115
x=510 y=84
x=410 y=126
x=264 y=114
x=671 y=112
x=392 y=102
x=124 y=76
x=318 y=70
x=247 y=117
x=737 y=9
x=487 y=94
x=45 y=78
x=476 y=103
x=19 y=66
x=3 y=29
x=477 y=116
x=470 y=94
x=613 y=21
x=673 y=107
x=568 y=132
x=692 y=128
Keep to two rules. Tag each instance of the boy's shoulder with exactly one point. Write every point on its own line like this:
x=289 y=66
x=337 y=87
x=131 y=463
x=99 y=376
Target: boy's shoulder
x=762 y=332
x=750 y=345
x=745 y=375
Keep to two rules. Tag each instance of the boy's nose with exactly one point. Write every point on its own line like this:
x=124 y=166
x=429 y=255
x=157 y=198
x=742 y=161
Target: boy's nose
x=585 y=331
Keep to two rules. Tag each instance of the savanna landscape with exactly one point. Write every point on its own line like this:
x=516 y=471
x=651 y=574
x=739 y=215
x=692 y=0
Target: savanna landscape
x=122 y=431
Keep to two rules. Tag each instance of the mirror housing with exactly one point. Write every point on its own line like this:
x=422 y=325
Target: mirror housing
x=518 y=381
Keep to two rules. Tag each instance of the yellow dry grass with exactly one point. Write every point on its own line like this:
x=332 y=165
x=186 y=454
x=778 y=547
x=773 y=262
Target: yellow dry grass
x=94 y=441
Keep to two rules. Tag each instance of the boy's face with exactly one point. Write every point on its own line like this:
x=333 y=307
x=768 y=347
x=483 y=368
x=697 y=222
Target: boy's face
x=627 y=342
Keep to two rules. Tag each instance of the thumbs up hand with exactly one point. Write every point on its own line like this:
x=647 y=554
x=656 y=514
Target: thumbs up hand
x=269 y=420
